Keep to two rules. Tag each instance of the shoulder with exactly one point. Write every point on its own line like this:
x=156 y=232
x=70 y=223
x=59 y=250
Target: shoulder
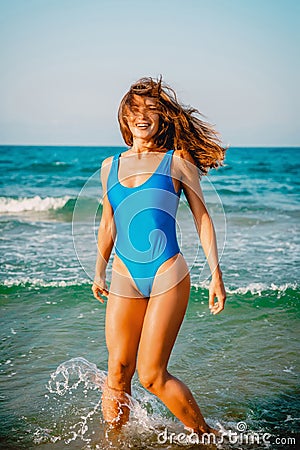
x=106 y=163
x=184 y=155
x=105 y=169
x=184 y=164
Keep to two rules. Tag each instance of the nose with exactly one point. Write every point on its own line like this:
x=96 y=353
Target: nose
x=142 y=113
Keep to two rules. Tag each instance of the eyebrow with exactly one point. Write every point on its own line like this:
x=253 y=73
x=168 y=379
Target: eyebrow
x=147 y=104
x=151 y=103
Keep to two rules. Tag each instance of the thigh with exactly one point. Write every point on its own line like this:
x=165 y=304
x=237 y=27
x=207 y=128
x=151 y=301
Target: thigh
x=163 y=318
x=122 y=284
x=169 y=275
x=123 y=325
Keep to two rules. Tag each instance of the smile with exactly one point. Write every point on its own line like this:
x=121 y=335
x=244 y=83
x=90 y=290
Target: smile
x=143 y=125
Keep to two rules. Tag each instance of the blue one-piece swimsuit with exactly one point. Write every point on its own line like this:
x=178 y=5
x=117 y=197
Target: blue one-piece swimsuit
x=145 y=219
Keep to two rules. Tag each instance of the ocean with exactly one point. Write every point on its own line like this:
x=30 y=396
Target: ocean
x=242 y=365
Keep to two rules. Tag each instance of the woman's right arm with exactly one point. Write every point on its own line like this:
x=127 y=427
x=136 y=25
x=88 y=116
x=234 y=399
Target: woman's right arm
x=186 y=171
x=106 y=235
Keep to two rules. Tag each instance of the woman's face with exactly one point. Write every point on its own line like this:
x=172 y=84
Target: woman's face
x=143 y=117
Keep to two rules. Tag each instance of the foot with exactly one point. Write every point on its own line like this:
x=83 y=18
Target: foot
x=207 y=429
x=214 y=431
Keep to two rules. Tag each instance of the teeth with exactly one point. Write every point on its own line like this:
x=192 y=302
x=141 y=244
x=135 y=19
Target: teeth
x=142 y=125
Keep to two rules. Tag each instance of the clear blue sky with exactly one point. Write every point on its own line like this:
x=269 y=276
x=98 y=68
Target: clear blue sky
x=65 y=64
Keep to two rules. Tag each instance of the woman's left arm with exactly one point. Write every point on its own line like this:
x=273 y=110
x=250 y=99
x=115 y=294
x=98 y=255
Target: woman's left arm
x=191 y=187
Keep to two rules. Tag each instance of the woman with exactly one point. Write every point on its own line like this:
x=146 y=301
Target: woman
x=169 y=146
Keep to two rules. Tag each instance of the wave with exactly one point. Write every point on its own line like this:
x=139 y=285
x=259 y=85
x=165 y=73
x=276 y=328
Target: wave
x=39 y=282
x=48 y=166
x=238 y=191
x=17 y=205
x=252 y=288
x=260 y=288
x=259 y=209
x=56 y=208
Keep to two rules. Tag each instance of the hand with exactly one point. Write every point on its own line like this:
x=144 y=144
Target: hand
x=216 y=289
x=100 y=288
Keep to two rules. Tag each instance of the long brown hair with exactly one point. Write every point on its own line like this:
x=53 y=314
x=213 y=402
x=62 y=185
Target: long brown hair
x=179 y=126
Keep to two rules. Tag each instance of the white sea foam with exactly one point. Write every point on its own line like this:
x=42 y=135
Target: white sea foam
x=22 y=204
x=38 y=282
x=252 y=288
x=258 y=288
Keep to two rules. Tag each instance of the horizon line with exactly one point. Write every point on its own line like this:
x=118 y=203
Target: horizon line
x=125 y=146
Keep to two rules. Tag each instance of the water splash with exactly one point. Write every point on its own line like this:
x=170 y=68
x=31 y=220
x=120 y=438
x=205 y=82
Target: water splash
x=75 y=403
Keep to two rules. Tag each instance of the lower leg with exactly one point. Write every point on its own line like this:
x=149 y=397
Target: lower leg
x=180 y=401
x=115 y=404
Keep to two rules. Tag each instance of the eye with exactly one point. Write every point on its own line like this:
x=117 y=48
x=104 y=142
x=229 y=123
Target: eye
x=134 y=110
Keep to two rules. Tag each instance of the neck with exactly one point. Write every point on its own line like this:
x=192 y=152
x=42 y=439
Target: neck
x=141 y=145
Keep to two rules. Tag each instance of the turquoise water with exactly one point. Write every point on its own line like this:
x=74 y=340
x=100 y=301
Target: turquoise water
x=242 y=365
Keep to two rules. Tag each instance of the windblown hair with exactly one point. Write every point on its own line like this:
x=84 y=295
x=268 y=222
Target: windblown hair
x=179 y=126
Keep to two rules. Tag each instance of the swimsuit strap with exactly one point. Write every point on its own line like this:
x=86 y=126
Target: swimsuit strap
x=164 y=166
x=113 y=173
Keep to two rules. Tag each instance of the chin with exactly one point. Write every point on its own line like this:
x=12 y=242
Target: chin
x=145 y=136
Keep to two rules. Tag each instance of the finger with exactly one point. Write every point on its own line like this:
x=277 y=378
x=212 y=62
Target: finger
x=211 y=301
x=97 y=296
x=97 y=292
x=218 y=308
x=104 y=292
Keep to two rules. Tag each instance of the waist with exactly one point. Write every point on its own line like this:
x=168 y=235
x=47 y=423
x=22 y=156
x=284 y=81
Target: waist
x=157 y=246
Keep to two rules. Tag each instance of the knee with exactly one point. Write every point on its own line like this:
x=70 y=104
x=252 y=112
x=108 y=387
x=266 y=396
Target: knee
x=151 y=379
x=119 y=374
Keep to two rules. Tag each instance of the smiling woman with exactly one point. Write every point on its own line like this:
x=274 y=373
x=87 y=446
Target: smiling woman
x=180 y=127
x=150 y=285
